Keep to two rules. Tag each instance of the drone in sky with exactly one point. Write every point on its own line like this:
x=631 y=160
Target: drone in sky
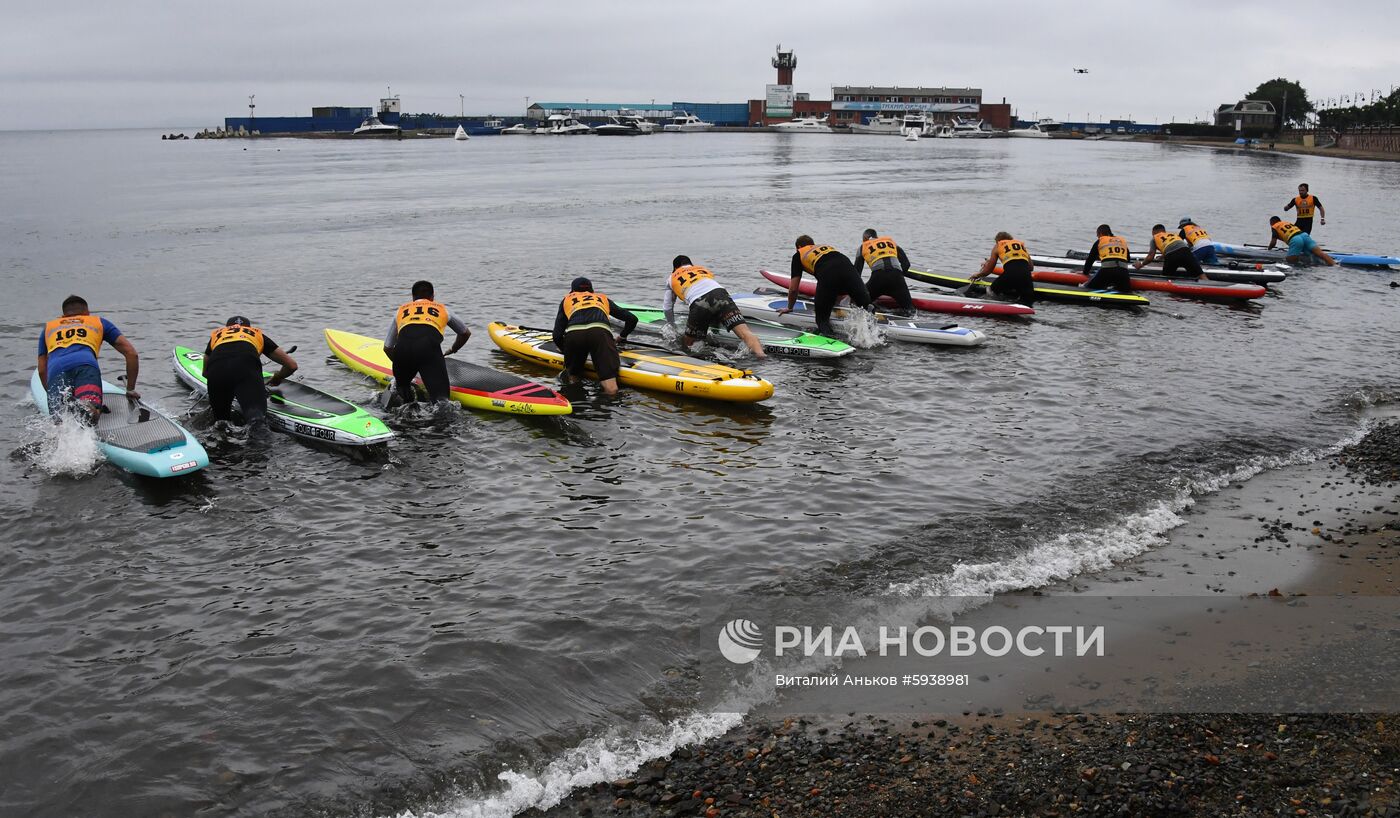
x=1081 y=70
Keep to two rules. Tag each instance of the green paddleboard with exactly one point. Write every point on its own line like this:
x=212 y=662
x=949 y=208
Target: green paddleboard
x=298 y=409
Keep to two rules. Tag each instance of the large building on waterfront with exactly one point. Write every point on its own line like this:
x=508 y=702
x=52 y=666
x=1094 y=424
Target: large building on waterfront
x=856 y=103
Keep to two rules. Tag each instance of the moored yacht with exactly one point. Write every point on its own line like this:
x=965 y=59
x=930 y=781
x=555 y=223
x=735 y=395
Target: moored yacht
x=687 y=123
x=806 y=124
x=373 y=128
x=562 y=125
x=881 y=124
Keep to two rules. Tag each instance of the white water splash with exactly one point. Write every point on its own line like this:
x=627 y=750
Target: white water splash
x=861 y=329
x=67 y=448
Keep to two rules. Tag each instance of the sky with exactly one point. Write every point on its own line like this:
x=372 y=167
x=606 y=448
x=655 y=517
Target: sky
x=140 y=63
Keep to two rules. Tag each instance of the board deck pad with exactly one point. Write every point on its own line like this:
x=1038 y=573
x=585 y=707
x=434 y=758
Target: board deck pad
x=132 y=425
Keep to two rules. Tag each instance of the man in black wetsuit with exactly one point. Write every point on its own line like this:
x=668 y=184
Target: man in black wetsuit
x=836 y=276
x=1176 y=254
x=1111 y=253
x=1015 y=282
x=414 y=344
x=233 y=369
x=888 y=264
x=582 y=331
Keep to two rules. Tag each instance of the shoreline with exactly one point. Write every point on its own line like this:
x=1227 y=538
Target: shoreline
x=1281 y=148
x=1326 y=528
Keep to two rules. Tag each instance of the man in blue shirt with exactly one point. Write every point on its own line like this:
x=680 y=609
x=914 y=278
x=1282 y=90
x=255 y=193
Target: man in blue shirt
x=68 y=349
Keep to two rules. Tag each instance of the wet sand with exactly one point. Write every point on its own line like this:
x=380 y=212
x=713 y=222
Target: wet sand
x=1300 y=535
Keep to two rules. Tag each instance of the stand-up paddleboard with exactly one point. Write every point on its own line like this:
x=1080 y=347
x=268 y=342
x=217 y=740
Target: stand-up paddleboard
x=765 y=303
x=1249 y=251
x=928 y=302
x=1187 y=287
x=653 y=368
x=1050 y=292
x=298 y=409
x=474 y=386
x=1233 y=271
x=775 y=338
x=136 y=437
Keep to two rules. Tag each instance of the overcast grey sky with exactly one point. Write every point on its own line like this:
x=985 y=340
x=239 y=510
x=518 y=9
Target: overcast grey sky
x=140 y=62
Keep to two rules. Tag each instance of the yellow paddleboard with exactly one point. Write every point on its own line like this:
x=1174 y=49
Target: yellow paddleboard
x=475 y=386
x=655 y=369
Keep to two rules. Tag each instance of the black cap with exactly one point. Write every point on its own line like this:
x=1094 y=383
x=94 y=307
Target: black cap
x=581 y=285
x=238 y=321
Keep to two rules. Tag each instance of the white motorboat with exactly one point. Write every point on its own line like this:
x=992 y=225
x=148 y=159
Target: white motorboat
x=970 y=130
x=917 y=123
x=687 y=123
x=521 y=128
x=1044 y=129
x=562 y=125
x=373 y=128
x=461 y=135
x=881 y=124
x=624 y=126
x=941 y=131
x=639 y=122
x=806 y=124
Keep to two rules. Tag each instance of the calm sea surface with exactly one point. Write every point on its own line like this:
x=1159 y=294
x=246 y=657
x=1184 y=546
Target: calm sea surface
x=298 y=631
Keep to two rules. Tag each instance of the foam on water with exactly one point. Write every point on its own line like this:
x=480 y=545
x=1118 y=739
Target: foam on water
x=1098 y=549
x=968 y=586
x=68 y=448
x=602 y=759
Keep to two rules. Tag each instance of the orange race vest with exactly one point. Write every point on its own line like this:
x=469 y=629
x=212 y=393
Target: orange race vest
x=1194 y=234
x=574 y=302
x=1286 y=231
x=1011 y=250
x=422 y=311
x=685 y=276
x=878 y=248
x=1113 y=248
x=229 y=335
x=74 y=329
x=1305 y=205
x=813 y=253
x=1164 y=241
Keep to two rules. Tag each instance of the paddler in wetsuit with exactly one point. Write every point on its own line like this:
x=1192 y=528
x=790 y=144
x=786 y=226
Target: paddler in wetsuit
x=888 y=264
x=1306 y=204
x=1014 y=282
x=709 y=305
x=1176 y=254
x=1202 y=247
x=582 y=331
x=1299 y=243
x=1111 y=253
x=836 y=276
x=414 y=344
x=233 y=369
x=68 y=370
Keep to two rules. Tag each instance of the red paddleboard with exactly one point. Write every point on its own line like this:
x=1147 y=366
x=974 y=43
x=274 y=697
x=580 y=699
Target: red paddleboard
x=1188 y=287
x=960 y=305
